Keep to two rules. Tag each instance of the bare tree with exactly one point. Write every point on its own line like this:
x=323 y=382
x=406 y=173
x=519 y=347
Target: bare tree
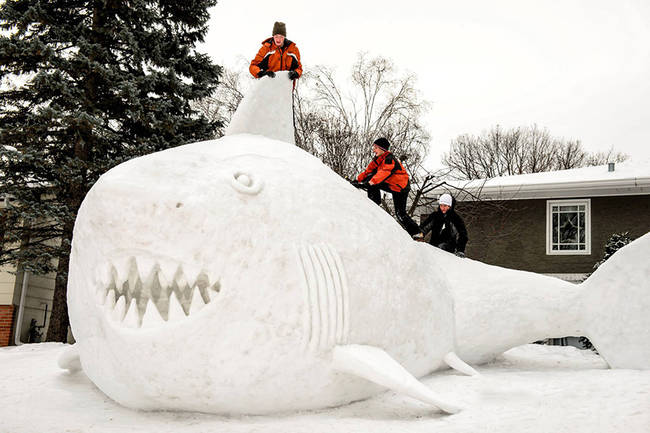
x=519 y=150
x=224 y=101
x=569 y=155
x=600 y=158
x=541 y=150
x=423 y=183
x=338 y=122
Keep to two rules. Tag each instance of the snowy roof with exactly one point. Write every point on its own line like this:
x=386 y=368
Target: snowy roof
x=628 y=178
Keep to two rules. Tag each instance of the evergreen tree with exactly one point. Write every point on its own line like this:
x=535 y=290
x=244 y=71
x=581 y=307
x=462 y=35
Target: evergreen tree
x=613 y=244
x=86 y=85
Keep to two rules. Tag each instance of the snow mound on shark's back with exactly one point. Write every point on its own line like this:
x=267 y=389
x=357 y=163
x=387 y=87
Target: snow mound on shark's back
x=267 y=109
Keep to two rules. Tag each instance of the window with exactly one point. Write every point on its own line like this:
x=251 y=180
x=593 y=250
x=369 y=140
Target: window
x=568 y=227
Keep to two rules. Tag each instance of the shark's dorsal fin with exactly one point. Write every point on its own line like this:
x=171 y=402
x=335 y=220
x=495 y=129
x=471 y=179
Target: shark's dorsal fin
x=375 y=365
x=452 y=360
x=266 y=109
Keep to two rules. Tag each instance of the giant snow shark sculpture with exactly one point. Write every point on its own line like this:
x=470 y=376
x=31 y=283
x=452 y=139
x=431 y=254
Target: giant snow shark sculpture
x=242 y=275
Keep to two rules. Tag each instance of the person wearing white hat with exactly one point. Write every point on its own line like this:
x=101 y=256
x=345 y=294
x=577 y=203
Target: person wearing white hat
x=447 y=228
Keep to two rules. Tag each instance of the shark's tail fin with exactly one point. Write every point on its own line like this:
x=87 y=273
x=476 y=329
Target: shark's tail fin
x=617 y=320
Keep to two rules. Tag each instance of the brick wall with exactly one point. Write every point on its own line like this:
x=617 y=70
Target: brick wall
x=6 y=324
x=514 y=235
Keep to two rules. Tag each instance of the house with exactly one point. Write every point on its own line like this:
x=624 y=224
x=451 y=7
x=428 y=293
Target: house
x=554 y=223
x=25 y=303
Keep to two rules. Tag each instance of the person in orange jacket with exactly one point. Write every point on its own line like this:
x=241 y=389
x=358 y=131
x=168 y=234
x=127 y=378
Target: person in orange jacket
x=277 y=54
x=386 y=173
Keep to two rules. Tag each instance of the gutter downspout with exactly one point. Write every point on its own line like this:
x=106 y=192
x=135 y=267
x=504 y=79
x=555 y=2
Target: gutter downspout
x=21 y=308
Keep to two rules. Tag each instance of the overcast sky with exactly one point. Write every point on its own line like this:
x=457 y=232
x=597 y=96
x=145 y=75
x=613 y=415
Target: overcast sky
x=580 y=68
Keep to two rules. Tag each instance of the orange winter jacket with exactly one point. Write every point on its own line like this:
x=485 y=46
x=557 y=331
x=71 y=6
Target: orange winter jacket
x=385 y=168
x=272 y=58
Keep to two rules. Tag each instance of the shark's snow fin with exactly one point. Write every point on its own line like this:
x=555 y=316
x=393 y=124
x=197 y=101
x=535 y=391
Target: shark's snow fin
x=452 y=360
x=616 y=304
x=69 y=359
x=267 y=109
x=375 y=365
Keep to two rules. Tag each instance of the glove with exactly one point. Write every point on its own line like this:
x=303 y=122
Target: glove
x=360 y=185
x=460 y=254
x=293 y=75
x=271 y=74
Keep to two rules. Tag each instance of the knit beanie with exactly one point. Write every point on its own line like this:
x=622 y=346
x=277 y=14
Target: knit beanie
x=445 y=199
x=382 y=142
x=279 y=29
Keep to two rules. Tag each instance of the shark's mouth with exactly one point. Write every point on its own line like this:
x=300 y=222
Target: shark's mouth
x=145 y=293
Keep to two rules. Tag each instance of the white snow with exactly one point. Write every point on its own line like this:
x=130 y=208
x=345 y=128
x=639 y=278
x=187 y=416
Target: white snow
x=629 y=177
x=264 y=109
x=532 y=389
x=622 y=170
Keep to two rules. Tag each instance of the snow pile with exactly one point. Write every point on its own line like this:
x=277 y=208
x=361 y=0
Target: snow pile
x=628 y=178
x=624 y=170
x=264 y=109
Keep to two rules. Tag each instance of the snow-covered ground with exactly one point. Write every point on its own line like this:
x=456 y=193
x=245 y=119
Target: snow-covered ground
x=530 y=388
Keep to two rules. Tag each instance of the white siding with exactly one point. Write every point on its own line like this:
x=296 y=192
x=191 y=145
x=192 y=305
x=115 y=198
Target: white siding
x=39 y=295
x=7 y=283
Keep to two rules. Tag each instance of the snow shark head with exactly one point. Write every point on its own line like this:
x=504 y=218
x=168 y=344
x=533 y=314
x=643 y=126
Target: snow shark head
x=218 y=277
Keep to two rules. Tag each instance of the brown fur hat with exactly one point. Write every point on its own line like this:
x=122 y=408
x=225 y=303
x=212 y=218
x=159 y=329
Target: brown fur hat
x=279 y=29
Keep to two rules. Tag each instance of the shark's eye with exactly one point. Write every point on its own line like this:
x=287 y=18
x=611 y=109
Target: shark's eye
x=246 y=183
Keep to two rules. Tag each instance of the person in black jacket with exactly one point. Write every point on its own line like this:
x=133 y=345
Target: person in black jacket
x=447 y=228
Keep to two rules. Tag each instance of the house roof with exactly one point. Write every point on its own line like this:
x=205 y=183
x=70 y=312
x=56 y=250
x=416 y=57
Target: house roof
x=628 y=178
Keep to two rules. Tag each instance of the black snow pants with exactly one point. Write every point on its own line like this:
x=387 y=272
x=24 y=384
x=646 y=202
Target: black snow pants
x=399 y=201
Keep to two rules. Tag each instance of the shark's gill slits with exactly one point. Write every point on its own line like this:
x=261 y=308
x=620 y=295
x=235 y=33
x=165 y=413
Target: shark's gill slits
x=326 y=295
x=144 y=293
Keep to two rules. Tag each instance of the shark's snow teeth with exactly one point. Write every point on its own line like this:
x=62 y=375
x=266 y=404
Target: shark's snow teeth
x=147 y=293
